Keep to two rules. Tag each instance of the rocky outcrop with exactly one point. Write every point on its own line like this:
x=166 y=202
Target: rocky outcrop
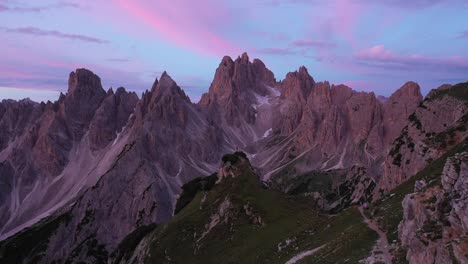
x=239 y=100
x=111 y=117
x=437 y=124
x=295 y=89
x=164 y=144
x=15 y=117
x=234 y=87
x=435 y=221
x=401 y=104
x=46 y=137
x=335 y=128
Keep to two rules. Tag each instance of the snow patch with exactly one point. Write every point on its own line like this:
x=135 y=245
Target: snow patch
x=267 y=133
x=340 y=164
x=304 y=254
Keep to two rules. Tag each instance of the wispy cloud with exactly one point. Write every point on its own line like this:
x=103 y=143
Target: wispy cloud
x=415 y=4
x=38 y=9
x=197 y=25
x=276 y=51
x=119 y=60
x=463 y=34
x=53 y=33
x=379 y=56
x=312 y=43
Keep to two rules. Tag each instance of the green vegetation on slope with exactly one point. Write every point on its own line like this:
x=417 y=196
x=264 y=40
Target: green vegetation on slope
x=130 y=242
x=190 y=189
x=238 y=221
x=459 y=91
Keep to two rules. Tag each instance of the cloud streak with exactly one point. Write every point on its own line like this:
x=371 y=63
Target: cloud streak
x=53 y=33
x=381 y=57
x=463 y=34
x=38 y=9
x=415 y=4
x=197 y=25
x=312 y=43
x=276 y=51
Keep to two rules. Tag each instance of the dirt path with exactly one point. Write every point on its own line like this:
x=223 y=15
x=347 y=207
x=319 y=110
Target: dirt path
x=304 y=254
x=382 y=243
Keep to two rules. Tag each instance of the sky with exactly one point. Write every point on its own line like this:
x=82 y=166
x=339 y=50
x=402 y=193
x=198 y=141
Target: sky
x=366 y=44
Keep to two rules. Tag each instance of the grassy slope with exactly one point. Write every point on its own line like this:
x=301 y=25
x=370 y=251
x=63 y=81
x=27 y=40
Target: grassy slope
x=240 y=241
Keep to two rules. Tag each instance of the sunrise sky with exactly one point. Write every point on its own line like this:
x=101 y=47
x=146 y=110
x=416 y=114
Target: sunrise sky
x=367 y=45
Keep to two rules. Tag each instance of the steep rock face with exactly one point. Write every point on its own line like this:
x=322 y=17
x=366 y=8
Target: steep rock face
x=15 y=117
x=166 y=143
x=295 y=89
x=401 y=104
x=84 y=96
x=111 y=117
x=437 y=124
x=435 y=221
x=335 y=128
x=238 y=89
x=37 y=164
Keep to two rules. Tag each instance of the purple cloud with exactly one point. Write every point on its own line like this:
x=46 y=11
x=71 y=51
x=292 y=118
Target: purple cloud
x=312 y=43
x=276 y=51
x=119 y=60
x=381 y=57
x=463 y=34
x=53 y=33
x=38 y=9
x=415 y=3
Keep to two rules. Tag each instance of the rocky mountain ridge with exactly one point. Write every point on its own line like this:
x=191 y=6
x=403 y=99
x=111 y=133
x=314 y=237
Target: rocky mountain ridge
x=107 y=164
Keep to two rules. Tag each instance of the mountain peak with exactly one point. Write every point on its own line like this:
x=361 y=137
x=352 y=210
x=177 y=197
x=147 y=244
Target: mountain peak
x=226 y=61
x=297 y=85
x=83 y=79
x=409 y=91
x=165 y=80
x=245 y=57
x=303 y=70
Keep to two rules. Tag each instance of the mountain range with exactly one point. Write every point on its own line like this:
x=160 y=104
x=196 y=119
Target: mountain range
x=107 y=177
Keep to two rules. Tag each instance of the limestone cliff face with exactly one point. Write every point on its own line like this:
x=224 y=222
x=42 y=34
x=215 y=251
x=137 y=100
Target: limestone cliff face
x=166 y=143
x=233 y=90
x=435 y=220
x=111 y=117
x=437 y=124
x=336 y=127
x=44 y=138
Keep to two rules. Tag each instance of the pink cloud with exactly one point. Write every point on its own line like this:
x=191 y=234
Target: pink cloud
x=347 y=13
x=375 y=53
x=312 y=43
x=335 y=20
x=41 y=71
x=380 y=56
x=191 y=24
x=276 y=51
